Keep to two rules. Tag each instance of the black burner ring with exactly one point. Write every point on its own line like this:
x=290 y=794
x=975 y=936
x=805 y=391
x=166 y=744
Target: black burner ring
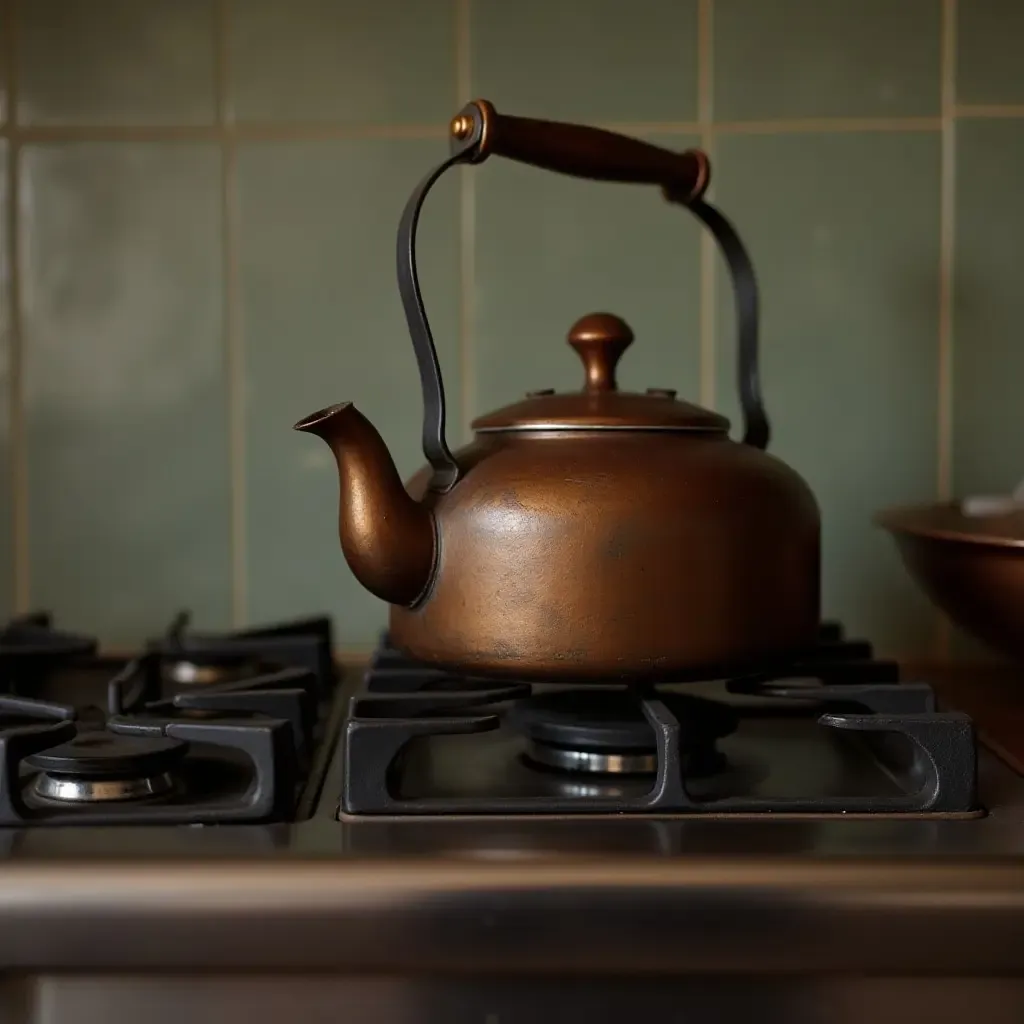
x=108 y=755
x=613 y=720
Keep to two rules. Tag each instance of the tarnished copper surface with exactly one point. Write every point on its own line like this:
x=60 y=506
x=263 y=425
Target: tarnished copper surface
x=946 y=521
x=600 y=340
x=616 y=554
x=388 y=538
x=971 y=567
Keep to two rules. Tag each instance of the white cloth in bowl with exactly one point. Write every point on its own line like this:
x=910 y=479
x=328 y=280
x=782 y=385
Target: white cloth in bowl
x=994 y=504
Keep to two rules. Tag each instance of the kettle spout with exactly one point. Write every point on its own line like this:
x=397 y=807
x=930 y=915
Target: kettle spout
x=387 y=537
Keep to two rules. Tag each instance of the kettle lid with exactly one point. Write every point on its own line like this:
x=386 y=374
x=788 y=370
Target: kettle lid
x=600 y=339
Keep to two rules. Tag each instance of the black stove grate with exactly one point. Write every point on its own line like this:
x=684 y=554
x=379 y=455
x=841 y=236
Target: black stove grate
x=840 y=684
x=250 y=739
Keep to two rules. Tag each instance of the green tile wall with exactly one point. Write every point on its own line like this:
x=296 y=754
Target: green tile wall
x=321 y=326
x=850 y=321
x=591 y=60
x=826 y=58
x=384 y=62
x=107 y=62
x=549 y=249
x=198 y=201
x=123 y=383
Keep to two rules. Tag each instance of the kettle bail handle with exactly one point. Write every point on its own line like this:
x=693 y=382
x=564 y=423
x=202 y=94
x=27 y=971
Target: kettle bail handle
x=435 y=447
x=479 y=131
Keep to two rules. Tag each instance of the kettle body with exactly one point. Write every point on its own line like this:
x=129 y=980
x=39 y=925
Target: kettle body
x=610 y=558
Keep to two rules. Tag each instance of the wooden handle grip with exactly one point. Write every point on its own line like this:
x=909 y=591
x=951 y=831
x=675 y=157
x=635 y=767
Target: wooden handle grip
x=581 y=151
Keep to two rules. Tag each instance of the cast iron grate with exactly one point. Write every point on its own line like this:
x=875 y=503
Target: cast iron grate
x=249 y=739
x=840 y=683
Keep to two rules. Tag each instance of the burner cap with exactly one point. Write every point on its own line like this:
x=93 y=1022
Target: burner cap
x=106 y=755
x=76 y=789
x=189 y=672
x=597 y=720
x=605 y=731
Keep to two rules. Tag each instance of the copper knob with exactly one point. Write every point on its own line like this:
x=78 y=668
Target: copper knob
x=461 y=126
x=599 y=340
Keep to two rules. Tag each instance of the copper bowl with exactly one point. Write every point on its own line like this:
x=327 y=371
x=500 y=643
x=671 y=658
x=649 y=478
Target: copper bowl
x=972 y=567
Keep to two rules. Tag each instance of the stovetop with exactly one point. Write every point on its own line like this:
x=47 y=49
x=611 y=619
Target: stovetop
x=252 y=728
x=269 y=840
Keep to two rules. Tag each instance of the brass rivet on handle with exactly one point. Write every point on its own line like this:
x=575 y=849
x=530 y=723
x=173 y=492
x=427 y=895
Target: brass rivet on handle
x=461 y=126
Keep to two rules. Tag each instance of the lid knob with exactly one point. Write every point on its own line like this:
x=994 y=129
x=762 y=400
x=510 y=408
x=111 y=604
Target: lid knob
x=599 y=340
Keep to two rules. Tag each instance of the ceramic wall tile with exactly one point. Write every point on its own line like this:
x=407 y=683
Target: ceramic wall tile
x=369 y=61
x=825 y=58
x=124 y=384
x=587 y=60
x=849 y=281
x=988 y=414
x=550 y=249
x=989 y=66
x=102 y=62
x=323 y=323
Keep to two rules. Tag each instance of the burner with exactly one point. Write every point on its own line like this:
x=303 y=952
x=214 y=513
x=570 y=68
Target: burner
x=193 y=661
x=100 y=767
x=600 y=762
x=196 y=673
x=605 y=731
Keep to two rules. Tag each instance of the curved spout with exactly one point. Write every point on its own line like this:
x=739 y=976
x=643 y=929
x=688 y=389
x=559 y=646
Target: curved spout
x=387 y=537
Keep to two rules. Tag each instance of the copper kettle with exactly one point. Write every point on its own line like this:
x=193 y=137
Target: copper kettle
x=589 y=536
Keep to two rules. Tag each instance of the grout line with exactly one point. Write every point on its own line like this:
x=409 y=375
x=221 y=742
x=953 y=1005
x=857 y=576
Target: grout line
x=231 y=326
x=707 y=282
x=947 y=219
x=269 y=132
x=947 y=228
x=705 y=67
x=827 y=124
x=31 y=133
x=467 y=230
x=993 y=110
x=323 y=131
x=18 y=446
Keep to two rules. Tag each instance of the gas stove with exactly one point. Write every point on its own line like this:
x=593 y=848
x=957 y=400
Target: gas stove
x=196 y=729
x=221 y=819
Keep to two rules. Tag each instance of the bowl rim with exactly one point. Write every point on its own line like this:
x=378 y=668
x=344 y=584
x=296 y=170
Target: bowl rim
x=913 y=521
